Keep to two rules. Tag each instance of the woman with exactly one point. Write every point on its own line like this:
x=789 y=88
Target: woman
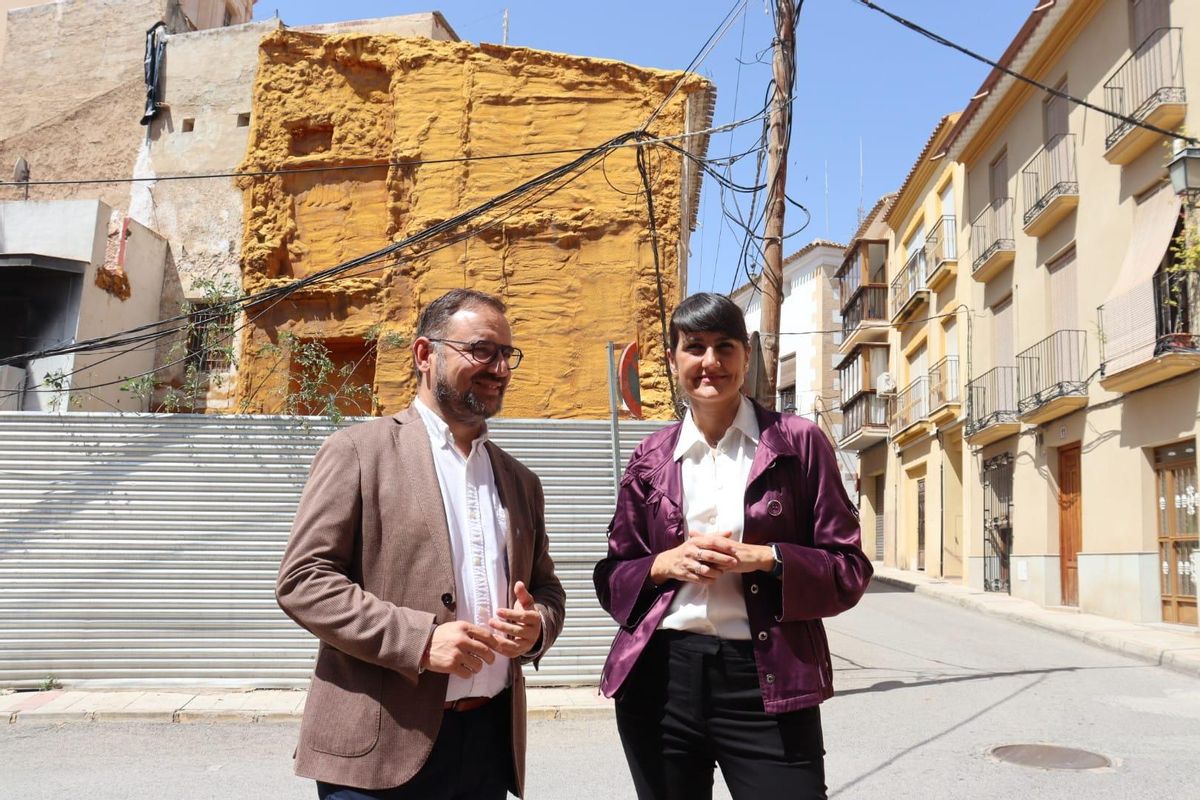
x=732 y=537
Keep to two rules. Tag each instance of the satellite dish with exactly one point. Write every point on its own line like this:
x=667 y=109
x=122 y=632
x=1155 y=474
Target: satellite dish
x=885 y=384
x=21 y=170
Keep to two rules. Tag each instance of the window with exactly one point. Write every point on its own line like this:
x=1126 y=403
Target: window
x=1054 y=115
x=1062 y=295
x=998 y=177
x=243 y=120
x=189 y=125
x=1146 y=17
x=210 y=338
x=787 y=399
x=1003 y=351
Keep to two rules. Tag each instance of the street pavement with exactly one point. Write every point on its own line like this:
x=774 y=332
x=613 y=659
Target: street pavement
x=926 y=689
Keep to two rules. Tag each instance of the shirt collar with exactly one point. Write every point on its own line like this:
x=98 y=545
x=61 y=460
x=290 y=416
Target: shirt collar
x=745 y=423
x=439 y=431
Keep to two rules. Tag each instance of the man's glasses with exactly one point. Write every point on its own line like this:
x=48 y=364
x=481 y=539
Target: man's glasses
x=484 y=352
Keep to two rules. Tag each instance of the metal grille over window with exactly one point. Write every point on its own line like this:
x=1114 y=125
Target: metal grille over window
x=210 y=338
x=997 y=522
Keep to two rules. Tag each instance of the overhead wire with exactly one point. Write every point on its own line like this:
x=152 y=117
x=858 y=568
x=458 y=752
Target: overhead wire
x=1059 y=93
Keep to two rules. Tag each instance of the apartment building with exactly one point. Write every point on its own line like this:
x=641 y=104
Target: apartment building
x=1046 y=367
x=925 y=311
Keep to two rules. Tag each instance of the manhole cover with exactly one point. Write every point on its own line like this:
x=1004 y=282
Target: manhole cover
x=1049 y=756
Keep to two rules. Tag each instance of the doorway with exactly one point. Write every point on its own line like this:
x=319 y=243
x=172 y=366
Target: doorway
x=1070 y=522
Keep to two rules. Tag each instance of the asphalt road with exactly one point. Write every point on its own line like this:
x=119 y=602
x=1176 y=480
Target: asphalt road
x=926 y=690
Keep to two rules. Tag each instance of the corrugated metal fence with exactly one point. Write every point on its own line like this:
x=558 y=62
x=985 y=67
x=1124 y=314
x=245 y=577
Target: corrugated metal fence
x=143 y=549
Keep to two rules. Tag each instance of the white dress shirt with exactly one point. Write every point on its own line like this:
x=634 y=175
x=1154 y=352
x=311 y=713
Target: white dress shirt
x=478 y=528
x=714 y=496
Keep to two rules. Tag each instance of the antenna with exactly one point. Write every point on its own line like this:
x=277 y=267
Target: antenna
x=862 y=212
x=505 y=40
x=827 y=198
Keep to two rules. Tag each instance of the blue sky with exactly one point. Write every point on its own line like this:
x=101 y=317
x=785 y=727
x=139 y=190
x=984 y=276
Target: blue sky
x=860 y=77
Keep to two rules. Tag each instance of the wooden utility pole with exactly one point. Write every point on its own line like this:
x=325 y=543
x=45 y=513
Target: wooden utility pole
x=771 y=281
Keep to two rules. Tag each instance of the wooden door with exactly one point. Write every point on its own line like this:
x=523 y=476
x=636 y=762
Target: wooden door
x=921 y=523
x=1070 y=522
x=1178 y=530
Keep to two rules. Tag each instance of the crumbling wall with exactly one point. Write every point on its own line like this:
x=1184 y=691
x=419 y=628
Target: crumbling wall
x=575 y=267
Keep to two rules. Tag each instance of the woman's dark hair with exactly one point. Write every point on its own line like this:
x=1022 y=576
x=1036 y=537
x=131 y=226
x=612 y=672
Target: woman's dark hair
x=710 y=313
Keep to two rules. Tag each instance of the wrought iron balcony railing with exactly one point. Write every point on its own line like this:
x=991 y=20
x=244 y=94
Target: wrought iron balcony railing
x=1159 y=317
x=941 y=245
x=1049 y=174
x=912 y=404
x=992 y=399
x=910 y=281
x=992 y=230
x=943 y=383
x=1150 y=77
x=1054 y=367
x=867 y=410
x=869 y=304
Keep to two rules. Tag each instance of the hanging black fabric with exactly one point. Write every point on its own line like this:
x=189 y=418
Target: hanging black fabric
x=156 y=48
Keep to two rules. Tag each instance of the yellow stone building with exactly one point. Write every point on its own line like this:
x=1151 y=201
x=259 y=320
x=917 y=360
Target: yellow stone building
x=575 y=265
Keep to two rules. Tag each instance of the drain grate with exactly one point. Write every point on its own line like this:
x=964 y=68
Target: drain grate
x=1049 y=756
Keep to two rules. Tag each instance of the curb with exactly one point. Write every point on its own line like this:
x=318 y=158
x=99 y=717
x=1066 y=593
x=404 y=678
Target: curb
x=1184 y=658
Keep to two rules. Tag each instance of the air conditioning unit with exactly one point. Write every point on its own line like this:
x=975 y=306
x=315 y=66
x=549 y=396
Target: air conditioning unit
x=885 y=384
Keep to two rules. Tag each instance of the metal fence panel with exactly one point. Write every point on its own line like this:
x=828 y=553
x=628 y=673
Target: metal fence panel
x=143 y=549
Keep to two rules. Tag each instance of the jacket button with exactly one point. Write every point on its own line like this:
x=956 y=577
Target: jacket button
x=448 y=600
x=762 y=636
x=770 y=677
x=754 y=588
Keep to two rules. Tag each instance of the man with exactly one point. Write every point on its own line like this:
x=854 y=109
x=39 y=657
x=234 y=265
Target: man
x=419 y=558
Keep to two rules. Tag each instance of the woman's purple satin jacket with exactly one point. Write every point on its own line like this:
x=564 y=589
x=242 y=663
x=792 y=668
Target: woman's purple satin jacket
x=794 y=498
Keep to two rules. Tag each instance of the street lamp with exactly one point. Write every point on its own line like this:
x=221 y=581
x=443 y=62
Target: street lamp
x=1184 y=168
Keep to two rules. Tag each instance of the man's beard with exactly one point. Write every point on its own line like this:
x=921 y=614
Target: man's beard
x=463 y=406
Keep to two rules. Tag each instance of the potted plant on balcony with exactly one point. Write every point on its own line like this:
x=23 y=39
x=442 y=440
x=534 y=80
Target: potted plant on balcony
x=1180 y=279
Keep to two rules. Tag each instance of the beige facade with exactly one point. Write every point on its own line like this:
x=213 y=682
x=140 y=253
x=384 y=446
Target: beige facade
x=1065 y=472
x=810 y=331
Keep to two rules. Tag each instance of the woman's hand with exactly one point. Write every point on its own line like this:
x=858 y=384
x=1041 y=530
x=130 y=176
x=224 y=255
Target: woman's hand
x=749 y=557
x=701 y=559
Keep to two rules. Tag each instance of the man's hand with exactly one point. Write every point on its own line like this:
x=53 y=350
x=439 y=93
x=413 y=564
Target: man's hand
x=460 y=648
x=701 y=559
x=517 y=629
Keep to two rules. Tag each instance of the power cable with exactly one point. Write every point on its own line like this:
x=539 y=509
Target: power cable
x=928 y=34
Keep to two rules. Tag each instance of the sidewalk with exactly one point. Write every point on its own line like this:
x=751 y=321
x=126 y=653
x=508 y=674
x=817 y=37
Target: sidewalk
x=1169 y=646
x=256 y=705
x=1176 y=648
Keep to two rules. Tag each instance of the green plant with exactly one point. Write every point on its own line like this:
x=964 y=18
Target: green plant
x=318 y=386
x=59 y=383
x=49 y=682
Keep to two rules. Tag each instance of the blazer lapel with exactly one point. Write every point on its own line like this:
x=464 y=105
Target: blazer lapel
x=414 y=454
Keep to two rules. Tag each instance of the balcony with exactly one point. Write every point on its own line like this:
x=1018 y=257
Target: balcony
x=864 y=422
x=1050 y=185
x=941 y=253
x=1052 y=377
x=1147 y=87
x=945 y=401
x=992 y=406
x=864 y=318
x=1151 y=333
x=911 y=420
x=992 y=245
x=909 y=291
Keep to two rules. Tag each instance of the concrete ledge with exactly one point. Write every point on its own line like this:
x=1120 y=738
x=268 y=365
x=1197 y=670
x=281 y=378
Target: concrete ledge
x=1179 y=651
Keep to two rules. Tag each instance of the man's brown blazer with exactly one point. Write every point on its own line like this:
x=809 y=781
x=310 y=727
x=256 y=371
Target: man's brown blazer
x=368 y=571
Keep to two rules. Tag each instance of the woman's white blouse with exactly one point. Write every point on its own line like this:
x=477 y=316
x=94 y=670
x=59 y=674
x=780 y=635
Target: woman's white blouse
x=714 y=493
